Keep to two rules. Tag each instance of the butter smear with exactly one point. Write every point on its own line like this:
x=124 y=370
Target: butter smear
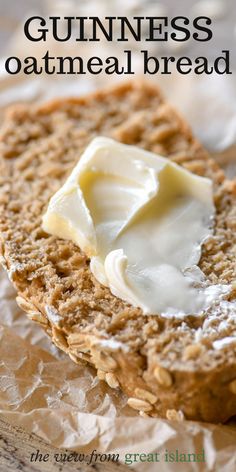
x=141 y=219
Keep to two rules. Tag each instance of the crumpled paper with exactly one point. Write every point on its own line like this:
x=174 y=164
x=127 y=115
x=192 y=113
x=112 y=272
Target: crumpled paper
x=41 y=389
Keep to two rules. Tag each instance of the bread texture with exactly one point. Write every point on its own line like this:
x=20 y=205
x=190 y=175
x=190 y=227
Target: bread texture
x=168 y=367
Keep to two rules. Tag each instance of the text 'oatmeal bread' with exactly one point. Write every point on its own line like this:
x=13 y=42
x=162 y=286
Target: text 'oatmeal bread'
x=168 y=367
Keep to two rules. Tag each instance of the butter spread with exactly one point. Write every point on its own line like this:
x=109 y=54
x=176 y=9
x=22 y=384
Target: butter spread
x=141 y=219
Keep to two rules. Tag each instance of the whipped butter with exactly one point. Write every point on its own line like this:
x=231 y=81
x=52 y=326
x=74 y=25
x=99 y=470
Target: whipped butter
x=141 y=219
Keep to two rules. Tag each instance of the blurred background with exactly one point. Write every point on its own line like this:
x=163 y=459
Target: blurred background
x=208 y=102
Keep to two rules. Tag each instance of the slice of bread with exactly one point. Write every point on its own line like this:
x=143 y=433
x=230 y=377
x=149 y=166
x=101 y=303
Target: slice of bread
x=167 y=367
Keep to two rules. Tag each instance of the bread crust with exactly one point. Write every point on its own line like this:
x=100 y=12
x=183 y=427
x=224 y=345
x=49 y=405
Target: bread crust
x=167 y=367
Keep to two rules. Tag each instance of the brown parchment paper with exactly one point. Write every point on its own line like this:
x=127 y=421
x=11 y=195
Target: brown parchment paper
x=41 y=389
